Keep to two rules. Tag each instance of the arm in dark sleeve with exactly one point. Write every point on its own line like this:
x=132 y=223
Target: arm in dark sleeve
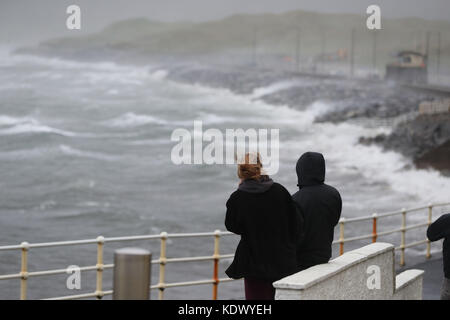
x=232 y=222
x=339 y=209
x=298 y=224
x=440 y=228
x=335 y=204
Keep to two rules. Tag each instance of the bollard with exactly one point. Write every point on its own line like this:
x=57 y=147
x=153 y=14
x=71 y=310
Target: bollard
x=132 y=267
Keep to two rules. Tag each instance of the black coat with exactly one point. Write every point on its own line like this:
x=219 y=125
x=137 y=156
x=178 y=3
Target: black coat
x=440 y=229
x=321 y=206
x=264 y=215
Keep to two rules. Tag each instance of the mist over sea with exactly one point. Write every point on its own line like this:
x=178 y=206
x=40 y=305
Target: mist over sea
x=85 y=150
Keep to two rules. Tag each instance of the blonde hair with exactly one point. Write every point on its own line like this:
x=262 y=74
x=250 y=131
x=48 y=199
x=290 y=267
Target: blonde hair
x=251 y=167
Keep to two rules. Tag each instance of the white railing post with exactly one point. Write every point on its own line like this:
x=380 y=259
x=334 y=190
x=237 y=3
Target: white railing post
x=162 y=265
x=403 y=238
x=24 y=270
x=216 y=264
x=99 y=266
x=430 y=217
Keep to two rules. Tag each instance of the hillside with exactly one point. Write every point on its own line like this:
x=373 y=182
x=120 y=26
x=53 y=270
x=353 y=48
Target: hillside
x=274 y=34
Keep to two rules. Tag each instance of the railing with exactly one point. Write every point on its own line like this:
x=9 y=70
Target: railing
x=99 y=293
x=374 y=235
x=100 y=266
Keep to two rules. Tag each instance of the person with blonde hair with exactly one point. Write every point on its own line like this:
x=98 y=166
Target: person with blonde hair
x=262 y=212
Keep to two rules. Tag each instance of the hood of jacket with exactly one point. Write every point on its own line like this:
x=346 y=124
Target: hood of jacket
x=256 y=186
x=310 y=169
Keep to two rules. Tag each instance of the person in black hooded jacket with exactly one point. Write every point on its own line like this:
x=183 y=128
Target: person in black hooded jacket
x=321 y=207
x=440 y=229
x=263 y=214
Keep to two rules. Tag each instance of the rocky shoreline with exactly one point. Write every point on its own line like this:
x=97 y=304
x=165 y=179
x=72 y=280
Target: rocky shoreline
x=423 y=138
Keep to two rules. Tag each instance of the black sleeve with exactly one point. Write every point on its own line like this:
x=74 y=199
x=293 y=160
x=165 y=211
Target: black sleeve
x=339 y=209
x=232 y=221
x=440 y=228
x=299 y=223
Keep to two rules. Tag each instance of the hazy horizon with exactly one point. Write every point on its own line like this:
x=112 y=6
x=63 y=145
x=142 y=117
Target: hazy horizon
x=24 y=22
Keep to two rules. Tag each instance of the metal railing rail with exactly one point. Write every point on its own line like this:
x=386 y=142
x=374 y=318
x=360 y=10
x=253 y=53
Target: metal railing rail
x=99 y=293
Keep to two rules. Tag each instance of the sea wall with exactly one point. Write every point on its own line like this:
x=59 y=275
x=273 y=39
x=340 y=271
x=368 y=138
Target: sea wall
x=363 y=274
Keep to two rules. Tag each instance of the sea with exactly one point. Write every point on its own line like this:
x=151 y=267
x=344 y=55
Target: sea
x=85 y=150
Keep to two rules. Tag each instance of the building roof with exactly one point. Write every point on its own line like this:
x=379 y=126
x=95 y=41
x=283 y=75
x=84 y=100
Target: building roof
x=409 y=52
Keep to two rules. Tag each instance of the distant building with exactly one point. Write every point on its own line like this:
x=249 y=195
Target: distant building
x=434 y=107
x=410 y=67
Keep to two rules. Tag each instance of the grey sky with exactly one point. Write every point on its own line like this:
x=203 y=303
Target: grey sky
x=31 y=20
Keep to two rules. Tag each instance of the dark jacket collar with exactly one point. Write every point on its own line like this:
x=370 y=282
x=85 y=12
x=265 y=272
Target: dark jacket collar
x=256 y=186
